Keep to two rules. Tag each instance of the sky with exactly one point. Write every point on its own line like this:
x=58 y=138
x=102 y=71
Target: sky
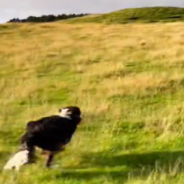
x=23 y=8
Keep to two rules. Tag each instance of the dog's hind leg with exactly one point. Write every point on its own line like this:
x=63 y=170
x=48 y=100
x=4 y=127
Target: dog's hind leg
x=27 y=144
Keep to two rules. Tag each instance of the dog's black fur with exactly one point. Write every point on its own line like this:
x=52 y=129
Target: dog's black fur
x=51 y=133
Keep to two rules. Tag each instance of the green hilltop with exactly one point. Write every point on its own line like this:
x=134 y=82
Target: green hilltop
x=146 y=15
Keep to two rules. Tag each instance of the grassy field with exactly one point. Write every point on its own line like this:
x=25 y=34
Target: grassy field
x=128 y=81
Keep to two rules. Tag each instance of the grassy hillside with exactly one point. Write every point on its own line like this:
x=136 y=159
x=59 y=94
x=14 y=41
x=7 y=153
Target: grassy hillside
x=129 y=85
x=148 y=14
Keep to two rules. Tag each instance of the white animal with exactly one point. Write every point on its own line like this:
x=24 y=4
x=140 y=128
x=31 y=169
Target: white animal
x=17 y=160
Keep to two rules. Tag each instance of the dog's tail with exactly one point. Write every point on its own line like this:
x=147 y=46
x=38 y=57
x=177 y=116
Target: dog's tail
x=25 y=154
x=18 y=160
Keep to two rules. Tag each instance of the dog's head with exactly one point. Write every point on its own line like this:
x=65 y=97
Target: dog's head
x=71 y=112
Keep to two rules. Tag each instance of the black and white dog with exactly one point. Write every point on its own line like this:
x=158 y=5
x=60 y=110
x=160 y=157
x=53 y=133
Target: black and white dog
x=51 y=134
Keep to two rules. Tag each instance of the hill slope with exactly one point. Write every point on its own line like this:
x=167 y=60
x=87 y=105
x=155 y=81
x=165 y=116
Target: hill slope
x=148 y=14
x=129 y=86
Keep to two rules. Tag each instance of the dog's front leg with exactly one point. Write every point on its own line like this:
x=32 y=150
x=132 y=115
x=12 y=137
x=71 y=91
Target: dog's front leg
x=49 y=159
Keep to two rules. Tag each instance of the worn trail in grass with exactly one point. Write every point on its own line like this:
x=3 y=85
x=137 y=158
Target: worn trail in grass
x=128 y=81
